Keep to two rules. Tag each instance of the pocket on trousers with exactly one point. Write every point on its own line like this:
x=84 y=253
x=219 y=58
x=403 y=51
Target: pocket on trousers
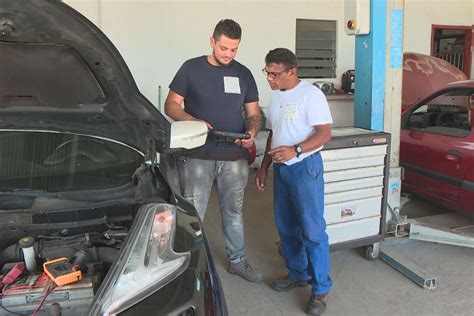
x=311 y=167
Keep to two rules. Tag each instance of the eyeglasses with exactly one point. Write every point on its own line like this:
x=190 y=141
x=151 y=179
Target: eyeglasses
x=273 y=75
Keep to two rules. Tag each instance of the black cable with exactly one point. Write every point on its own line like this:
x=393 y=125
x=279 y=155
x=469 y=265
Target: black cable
x=11 y=312
x=3 y=307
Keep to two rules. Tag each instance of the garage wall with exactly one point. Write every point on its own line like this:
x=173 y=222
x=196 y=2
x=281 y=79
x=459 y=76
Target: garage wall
x=421 y=14
x=155 y=36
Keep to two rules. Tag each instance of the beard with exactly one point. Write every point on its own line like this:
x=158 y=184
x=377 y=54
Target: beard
x=219 y=62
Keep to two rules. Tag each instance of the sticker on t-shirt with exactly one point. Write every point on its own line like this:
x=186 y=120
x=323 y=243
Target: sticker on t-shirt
x=231 y=85
x=290 y=111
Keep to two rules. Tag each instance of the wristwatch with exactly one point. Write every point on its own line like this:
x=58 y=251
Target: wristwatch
x=298 y=150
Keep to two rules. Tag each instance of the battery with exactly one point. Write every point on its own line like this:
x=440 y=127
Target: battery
x=73 y=299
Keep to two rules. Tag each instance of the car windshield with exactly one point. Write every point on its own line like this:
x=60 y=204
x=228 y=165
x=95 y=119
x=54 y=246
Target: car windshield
x=446 y=114
x=58 y=162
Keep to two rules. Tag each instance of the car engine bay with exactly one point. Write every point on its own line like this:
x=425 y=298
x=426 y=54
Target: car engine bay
x=88 y=250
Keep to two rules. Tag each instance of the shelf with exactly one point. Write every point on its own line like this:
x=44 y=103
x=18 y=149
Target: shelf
x=340 y=97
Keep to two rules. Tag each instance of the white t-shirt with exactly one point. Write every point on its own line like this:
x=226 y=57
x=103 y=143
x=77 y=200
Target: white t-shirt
x=292 y=115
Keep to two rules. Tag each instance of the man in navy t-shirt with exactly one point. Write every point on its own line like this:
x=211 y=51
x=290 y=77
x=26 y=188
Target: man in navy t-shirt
x=222 y=92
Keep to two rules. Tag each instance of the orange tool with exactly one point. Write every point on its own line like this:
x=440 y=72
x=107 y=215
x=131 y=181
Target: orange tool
x=61 y=271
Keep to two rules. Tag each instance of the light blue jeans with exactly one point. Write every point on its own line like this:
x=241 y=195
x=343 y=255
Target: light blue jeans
x=231 y=178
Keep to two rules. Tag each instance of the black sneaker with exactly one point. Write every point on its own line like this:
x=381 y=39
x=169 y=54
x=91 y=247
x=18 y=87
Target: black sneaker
x=316 y=305
x=285 y=284
x=245 y=271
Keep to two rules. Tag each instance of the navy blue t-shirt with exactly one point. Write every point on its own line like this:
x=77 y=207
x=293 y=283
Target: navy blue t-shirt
x=216 y=95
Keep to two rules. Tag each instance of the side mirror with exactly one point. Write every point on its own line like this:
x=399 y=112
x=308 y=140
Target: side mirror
x=188 y=134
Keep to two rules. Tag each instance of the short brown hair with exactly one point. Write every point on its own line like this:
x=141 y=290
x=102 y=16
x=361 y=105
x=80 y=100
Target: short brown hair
x=229 y=28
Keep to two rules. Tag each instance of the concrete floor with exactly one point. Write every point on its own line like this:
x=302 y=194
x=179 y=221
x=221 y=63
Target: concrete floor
x=361 y=287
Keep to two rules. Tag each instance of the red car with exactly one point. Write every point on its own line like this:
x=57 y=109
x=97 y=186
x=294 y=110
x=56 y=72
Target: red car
x=437 y=136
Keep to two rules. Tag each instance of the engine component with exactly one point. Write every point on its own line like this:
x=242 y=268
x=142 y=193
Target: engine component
x=55 y=309
x=55 y=247
x=95 y=245
x=80 y=258
x=27 y=246
x=116 y=233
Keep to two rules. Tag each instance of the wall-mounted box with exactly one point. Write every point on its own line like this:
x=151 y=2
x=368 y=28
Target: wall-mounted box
x=357 y=17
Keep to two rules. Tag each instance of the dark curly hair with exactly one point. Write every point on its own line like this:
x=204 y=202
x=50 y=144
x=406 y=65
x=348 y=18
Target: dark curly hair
x=281 y=56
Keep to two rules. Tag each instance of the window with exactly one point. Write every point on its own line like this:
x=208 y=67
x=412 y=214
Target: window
x=453 y=44
x=447 y=114
x=316 y=48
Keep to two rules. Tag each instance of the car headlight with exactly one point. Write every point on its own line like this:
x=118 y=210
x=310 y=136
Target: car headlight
x=147 y=261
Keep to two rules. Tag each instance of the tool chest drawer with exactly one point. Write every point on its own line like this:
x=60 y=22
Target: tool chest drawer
x=353 y=230
x=349 y=185
x=352 y=210
x=355 y=173
x=355 y=177
x=351 y=195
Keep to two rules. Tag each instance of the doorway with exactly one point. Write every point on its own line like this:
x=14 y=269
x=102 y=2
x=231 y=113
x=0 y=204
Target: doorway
x=453 y=44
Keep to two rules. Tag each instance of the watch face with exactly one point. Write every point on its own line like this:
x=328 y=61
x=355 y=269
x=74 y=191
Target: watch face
x=298 y=150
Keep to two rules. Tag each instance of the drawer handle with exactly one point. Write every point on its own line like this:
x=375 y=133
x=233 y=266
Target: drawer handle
x=347 y=212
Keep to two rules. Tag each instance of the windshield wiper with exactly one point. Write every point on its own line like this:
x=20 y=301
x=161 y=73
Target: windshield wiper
x=17 y=190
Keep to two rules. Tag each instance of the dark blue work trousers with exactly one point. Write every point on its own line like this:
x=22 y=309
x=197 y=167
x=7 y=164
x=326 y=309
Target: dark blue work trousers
x=299 y=209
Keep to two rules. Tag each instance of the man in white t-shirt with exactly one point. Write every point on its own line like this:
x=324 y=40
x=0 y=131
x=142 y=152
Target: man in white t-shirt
x=300 y=123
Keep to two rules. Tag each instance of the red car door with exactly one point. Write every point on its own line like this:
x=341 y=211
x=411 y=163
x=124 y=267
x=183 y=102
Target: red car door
x=435 y=146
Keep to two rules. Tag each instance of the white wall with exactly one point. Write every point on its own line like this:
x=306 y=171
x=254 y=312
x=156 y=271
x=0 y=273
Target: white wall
x=421 y=14
x=89 y=8
x=156 y=36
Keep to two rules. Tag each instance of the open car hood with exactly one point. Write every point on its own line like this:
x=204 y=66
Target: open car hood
x=424 y=75
x=59 y=72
